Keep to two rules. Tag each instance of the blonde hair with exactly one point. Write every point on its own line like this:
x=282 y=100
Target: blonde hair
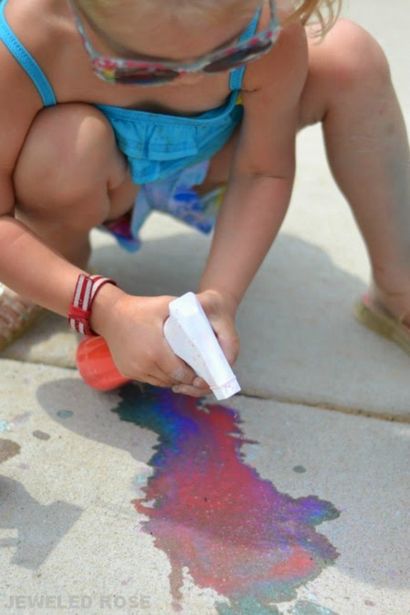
x=322 y=13
x=185 y=8
x=319 y=13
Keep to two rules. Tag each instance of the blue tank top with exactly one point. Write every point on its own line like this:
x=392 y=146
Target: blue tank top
x=155 y=144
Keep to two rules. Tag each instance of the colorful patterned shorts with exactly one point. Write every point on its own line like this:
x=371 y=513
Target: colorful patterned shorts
x=174 y=196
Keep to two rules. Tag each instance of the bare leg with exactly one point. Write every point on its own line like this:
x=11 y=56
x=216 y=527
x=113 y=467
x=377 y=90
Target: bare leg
x=350 y=91
x=69 y=178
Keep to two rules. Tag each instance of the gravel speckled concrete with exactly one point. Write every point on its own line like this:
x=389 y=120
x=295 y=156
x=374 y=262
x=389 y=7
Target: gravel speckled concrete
x=329 y=490
x=299 y=338
x=68 y=527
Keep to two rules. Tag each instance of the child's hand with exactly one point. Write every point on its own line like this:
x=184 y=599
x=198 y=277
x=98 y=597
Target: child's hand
x=221 y=311
x=133 y=330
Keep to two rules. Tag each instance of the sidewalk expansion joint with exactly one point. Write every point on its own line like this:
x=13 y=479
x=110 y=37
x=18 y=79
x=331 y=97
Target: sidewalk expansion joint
x=265 y=396
x=323 y=405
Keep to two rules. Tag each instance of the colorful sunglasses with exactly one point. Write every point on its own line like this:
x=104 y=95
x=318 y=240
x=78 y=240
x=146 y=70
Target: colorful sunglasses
x=152 y=72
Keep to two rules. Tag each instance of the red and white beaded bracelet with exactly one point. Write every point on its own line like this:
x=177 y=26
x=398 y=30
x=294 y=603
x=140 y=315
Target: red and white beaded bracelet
x=85 y=292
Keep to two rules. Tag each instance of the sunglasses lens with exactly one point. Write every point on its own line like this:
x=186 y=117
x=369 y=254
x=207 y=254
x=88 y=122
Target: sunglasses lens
x=146 y=79
x=137 y=76
x=239 y=57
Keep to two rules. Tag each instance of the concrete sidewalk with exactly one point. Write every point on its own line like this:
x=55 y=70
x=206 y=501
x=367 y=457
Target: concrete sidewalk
x=282 y=501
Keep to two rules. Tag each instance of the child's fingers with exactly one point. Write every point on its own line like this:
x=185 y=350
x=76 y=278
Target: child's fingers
x=193 y=391
x=230 y=348
x=159 y=378
x=175 y=368
x=180 y=376
x=200 y=383
x=155 y=381
x=170 y=380
x=228 y=339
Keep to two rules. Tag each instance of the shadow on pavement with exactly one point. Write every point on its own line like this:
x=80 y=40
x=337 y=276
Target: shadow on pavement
x=39 y=527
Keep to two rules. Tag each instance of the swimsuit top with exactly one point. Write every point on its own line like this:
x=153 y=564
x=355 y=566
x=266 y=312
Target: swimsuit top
x=155 y=144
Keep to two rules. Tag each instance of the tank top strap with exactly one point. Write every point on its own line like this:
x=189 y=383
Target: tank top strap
x=236 y=74
x=26 y=60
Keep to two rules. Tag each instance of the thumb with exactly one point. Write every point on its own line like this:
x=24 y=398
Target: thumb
x=228 y=338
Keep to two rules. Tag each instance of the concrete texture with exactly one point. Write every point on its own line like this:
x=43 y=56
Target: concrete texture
x=68 y=527
x=300 y=341
x=289 y=505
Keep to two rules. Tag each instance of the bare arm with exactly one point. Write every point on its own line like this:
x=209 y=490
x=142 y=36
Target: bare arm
x=26 y=264
x=132 y=326
x=263 y=168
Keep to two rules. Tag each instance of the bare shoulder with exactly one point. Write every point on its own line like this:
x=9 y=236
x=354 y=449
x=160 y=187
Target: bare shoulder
x=271 y=96
x=282 y=72
x=19 y=98
x=19 y=104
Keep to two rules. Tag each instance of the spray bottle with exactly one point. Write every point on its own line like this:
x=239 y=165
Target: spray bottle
x=190 y=335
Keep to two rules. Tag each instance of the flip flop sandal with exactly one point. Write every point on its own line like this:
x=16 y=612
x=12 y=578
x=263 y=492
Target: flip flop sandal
x=376 y=318
x=16 y=317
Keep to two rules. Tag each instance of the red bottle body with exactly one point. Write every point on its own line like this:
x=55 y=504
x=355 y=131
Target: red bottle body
x=95 y=364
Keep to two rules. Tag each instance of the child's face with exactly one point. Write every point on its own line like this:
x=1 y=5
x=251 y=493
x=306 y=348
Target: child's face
x=165 y=35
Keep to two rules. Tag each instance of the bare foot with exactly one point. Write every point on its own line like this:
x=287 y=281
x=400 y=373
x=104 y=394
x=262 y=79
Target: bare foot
x=16 y=316
x=396 y=304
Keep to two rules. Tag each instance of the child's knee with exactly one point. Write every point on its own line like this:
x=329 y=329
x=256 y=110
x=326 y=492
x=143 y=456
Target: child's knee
x=68 y=153
x=355 y=58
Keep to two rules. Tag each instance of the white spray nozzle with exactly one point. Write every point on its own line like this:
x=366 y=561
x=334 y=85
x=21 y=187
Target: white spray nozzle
x=190 y=335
